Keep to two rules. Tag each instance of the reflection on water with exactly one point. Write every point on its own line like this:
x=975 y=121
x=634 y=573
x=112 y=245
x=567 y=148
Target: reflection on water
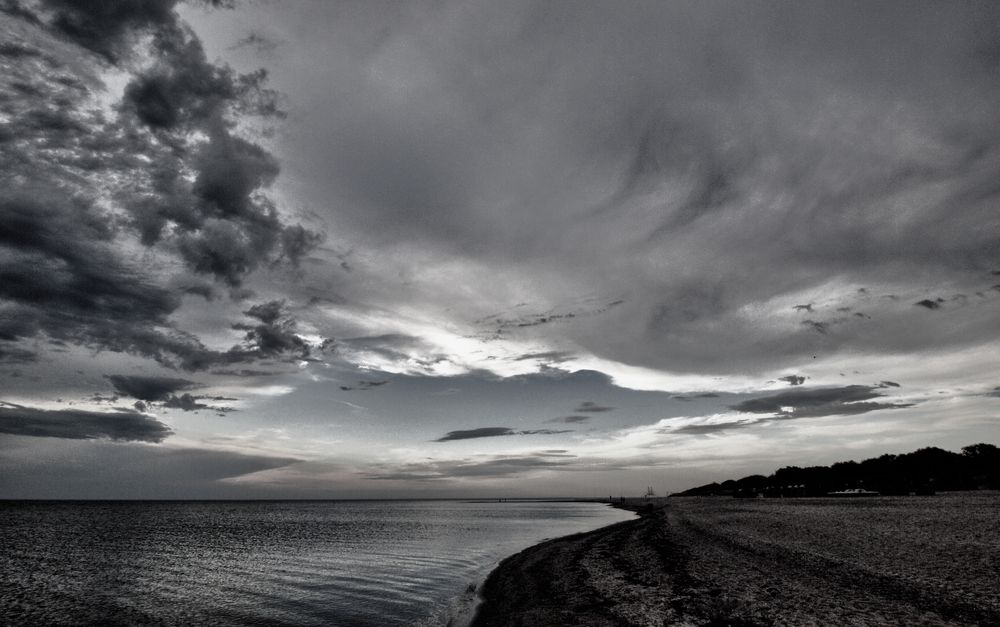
x=341 y=563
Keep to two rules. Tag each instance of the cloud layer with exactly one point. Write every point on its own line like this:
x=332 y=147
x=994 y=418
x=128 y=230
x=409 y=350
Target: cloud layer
x=751 y=187
x=81 y=425
x=380 y=232
x=852 y=399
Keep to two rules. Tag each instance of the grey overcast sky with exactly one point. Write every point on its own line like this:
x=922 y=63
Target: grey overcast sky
x=389 y=249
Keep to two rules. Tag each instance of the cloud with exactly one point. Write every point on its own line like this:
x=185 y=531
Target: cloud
x=481 y=432
x=669 y=209
x=930 y=304
x=793 y=379
x=816 y=325
x=364 y=385
x=165 y=172
x=701 y=193
x=16 y=355
x=77 y=424
x=491 y=432
x=547 y=356
x=72 y=469
x=109 y=28
x=223 y=226
x=851 y=399
x=245 y=372
x=389 y=346
x=258 y=42
x=516 y=319
x=163 y=391
x=187 y=402
x=61 y=277
x=493 y=466
x=710 y=428
x=570 y=419
x=274 y=335
x=149 y=388
x=592 y=407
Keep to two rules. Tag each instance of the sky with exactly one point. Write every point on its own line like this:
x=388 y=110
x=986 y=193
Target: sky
x=457 y=249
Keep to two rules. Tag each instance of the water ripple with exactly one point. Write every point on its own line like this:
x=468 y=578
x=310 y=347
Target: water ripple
x=302 y=563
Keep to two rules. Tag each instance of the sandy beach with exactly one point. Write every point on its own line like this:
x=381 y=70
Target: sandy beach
x=721 y=561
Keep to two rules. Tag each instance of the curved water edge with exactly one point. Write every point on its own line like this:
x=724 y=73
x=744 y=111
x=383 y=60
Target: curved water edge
x=462 y=609
x=301 y=563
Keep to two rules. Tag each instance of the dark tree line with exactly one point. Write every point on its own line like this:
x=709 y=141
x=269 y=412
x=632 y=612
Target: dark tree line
x=924 y=471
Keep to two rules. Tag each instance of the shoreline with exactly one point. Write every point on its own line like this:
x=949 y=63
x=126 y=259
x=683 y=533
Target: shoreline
x=540 y=584
x=472 y=599
x=718 y=561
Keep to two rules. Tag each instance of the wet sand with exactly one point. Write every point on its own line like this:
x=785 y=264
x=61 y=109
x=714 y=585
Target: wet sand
x=719 y=561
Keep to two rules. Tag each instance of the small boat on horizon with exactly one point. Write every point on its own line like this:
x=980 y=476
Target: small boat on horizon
x=853 y=492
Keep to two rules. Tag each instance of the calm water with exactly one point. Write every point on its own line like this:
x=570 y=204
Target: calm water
x=331 y=563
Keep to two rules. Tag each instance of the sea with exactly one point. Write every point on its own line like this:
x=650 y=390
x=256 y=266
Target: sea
x=351 y=563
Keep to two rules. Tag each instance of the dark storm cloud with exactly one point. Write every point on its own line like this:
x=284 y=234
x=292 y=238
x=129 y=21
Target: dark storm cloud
x=149 y=388
x=491 y=432
x=930 y=304
x=60 y=276
x=274 y=335
x=107 y=28
x=80 y=185
x=570 y=419
x=851 y=399
x=80 y=425
x=223 y=227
